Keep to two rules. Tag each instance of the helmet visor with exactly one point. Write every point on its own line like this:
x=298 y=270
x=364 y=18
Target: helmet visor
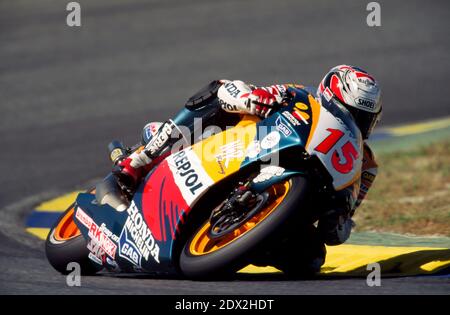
x=365 y=121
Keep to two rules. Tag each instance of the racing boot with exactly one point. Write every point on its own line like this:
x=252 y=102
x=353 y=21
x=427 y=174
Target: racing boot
x=299 y=254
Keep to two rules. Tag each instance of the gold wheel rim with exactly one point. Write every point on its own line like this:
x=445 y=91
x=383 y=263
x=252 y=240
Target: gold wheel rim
x=202 y=244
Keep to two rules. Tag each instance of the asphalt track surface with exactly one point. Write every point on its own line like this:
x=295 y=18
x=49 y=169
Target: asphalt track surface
x=66 y=92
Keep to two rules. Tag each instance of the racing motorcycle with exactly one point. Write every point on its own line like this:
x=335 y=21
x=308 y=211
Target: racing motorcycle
x=220 y=204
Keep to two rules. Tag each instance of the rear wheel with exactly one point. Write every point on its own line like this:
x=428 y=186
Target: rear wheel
x=209 y=253
x=65 y=244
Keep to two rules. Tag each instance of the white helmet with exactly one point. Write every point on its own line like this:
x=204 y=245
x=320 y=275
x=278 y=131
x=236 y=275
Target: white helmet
x=357 y=91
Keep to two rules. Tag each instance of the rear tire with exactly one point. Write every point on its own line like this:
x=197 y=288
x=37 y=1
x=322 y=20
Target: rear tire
x=62 y=252
x=235 y=255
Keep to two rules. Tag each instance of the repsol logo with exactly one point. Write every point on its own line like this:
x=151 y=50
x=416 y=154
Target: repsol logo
x=187 y=172
x=232 y=89
x=366 y=103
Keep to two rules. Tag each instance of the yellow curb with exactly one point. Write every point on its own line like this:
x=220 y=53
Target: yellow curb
x=352 y=260
x=58 y=204
x=420 y=127
x=39 y=232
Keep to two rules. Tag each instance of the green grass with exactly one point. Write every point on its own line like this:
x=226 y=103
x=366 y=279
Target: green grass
x=411 y=193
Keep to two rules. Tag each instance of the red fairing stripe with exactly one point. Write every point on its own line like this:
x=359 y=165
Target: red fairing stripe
x=163 y=203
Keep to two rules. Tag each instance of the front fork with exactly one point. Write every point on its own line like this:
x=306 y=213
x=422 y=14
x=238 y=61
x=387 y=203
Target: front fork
x=246 y=200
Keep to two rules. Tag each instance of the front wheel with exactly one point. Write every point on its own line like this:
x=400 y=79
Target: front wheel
x=206 y=256
x=65 y=244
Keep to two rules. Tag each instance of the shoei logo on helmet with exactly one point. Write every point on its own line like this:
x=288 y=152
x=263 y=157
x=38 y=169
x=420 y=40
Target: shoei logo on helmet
x=366 y=103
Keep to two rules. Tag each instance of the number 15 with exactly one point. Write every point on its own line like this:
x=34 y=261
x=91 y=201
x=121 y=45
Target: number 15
x=350 y=154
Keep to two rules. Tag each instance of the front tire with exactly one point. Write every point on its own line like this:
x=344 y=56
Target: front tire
x=65 y=244
x=202 y=258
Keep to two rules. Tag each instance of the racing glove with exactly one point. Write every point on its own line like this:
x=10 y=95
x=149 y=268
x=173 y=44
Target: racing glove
x=238 y=97
x=261 y=102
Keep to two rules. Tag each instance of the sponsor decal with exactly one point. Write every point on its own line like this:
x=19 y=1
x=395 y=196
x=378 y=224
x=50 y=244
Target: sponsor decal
x=161 y=138
x=301 y=106
x=108 y=233
x=115 y=154
x=253 y=149
x=95 y=259
x=366 y=81
x=128 y=250
x=83 y=218
x=268 y=172
x=97 y=254
x=281 y=127
x=232 y=150
x=300 y=112
x=189 y=175
x=148 y=134
x=100 y=236
x=154 y=127
x=368 y=176
x=97 y=235
x=291 y=118
x=151 y=129
x=301 y=116
x=191 y=179
x=232 y=89
x=227 y=107
x=221 y=167
x=366 y=103
x=271 y=140
x=138 y=237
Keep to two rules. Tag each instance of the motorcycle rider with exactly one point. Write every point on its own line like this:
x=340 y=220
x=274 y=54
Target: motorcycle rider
x=344 y=85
